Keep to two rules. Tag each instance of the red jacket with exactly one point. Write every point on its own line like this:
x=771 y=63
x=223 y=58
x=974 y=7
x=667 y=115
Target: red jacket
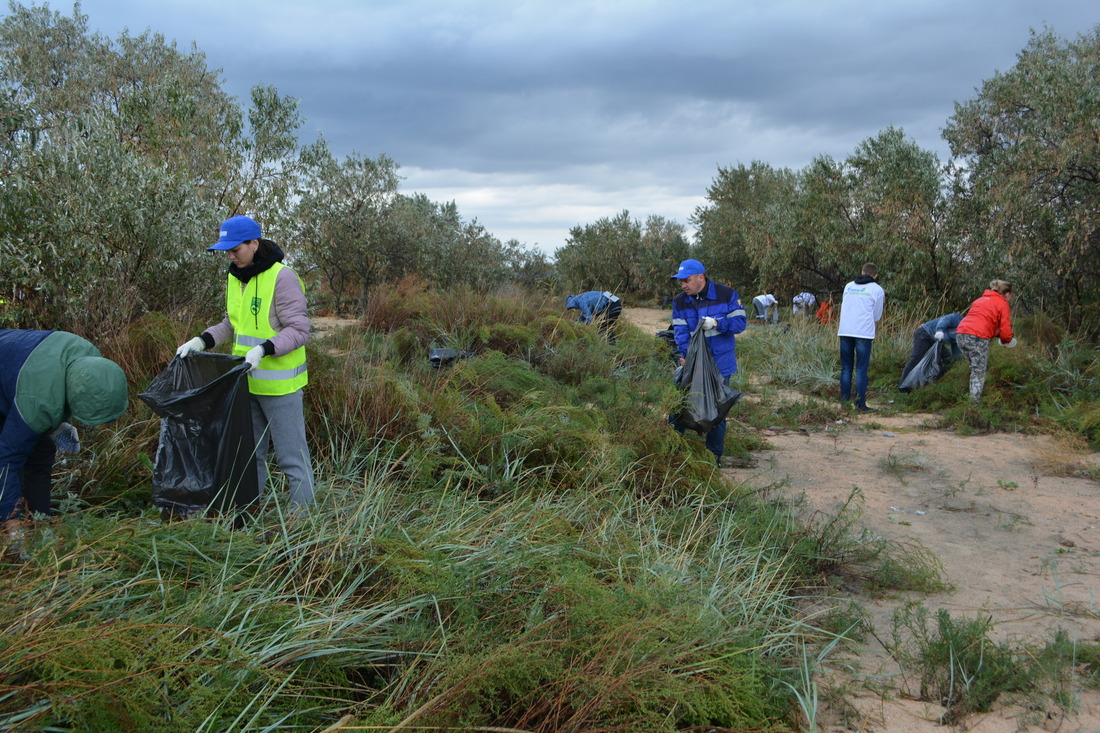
x=988 y=317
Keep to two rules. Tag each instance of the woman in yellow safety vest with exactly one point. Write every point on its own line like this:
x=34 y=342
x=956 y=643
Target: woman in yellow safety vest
x=266 y=320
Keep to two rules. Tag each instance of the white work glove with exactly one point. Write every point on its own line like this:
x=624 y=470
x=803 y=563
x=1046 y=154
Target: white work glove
x=253 y=356
x=66 y=439
x=1011 y=344
x=708 y=323
x=195 y=344
x=939 y=335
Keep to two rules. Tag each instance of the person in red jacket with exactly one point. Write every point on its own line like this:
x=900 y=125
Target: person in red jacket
x=988 y=317
x=825 y=313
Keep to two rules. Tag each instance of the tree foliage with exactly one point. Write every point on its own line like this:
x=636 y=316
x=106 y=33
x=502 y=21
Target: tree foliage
x=98 y=212
x=1030 y=141
x=621 y=255
x=340 y=215
x=774 y=230
x=120 y=157
x=743 y=237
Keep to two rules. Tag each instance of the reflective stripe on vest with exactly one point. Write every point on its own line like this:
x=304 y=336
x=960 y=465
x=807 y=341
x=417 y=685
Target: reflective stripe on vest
x=249 y=308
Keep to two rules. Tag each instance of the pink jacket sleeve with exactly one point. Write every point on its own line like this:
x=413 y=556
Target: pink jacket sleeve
x=288 y=313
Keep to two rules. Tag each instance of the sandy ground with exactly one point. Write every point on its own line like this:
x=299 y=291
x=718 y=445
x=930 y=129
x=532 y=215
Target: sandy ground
x=1019 y=546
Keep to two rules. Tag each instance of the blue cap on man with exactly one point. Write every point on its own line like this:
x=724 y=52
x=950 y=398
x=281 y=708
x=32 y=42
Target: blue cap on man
x=689 y=268
x=235 y=230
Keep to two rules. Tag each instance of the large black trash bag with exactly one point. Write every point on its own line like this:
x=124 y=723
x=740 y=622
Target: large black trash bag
x=707 y=397
x=933 y=364
x=206 y=456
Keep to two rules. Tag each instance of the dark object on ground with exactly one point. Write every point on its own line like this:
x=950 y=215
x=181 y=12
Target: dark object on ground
x=930 y=367
x=445 y=357
x=206 y=457
x=707 y=397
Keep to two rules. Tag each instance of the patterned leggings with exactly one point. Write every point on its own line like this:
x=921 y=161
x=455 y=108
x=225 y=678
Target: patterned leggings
x=976 y=351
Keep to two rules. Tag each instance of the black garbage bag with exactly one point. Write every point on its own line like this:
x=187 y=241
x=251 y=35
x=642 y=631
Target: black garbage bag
x=707 y=397
x=206 y=456
x=933 y=364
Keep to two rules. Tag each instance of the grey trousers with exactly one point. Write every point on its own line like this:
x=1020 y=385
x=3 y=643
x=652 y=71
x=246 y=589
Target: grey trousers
x=279 y=419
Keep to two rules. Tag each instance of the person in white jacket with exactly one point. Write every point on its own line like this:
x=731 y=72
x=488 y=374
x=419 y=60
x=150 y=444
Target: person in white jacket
x=767 y=308
x=860 y=309
x=803 y=303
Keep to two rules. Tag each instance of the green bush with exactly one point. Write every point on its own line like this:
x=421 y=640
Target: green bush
x=956 y=663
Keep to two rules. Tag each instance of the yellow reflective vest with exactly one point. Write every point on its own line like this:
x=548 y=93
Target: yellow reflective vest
x=249 y=308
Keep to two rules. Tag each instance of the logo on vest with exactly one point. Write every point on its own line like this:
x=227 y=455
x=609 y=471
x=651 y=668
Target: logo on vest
x=255 y=307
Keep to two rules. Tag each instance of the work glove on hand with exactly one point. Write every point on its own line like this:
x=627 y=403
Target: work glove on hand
x=939 y=335
x=708 y=323
x=1011 y=344
x=253 y=356
x=66 y=439
x=195 y=344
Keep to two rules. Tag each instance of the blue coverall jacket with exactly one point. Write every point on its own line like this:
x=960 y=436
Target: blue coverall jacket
x=721 y=303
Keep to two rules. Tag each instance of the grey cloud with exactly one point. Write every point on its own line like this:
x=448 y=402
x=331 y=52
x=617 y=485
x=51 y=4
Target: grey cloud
x=606 y=95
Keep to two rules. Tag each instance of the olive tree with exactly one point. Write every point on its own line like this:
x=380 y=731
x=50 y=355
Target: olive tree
x=781 y=231
x=340 y=216
x=622 y=255
x=901 y=205
x=119 y=159
x=1030 y=144
x=743 y=235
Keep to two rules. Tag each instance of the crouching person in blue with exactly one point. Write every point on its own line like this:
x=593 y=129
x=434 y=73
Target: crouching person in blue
x=717 y=308
x=596 y=303
x=928 y=333
x=46 y=379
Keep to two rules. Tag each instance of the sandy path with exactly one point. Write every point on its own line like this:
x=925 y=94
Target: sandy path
x=1018 y=545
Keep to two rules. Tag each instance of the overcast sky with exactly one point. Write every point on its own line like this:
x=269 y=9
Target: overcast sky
x=535 y=116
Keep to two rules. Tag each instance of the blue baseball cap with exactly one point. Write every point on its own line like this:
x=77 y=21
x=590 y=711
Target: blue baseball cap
x=689 y=268
x=235 y=230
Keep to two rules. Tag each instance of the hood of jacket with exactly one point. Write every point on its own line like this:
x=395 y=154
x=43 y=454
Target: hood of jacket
x=95 y=390
x=244 y=274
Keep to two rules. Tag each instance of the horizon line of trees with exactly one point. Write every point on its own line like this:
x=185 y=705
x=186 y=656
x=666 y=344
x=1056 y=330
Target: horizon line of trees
x=120 y=156
x=1019 y=201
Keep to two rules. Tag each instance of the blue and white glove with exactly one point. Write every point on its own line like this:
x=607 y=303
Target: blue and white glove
x=939 y=335
x=1011 y=344
x=708 y=323
x=66 y=439
x=253 y=356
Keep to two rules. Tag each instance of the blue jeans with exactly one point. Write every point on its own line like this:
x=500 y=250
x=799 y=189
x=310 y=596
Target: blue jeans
x=716 y=436
x=855 y=350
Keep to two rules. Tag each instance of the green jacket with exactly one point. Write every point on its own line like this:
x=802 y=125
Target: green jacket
x=46 y=378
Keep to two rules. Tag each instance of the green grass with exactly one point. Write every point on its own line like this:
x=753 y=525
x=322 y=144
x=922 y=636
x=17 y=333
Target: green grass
x=953 y=662
x=519 y=540
x=1035 y=387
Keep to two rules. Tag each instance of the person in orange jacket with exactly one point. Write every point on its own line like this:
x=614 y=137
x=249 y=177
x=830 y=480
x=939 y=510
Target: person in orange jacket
x=824 y=313
x=989 y=316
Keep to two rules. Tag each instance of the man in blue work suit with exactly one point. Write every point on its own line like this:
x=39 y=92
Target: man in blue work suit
x=717 y=309
x=596 y=303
